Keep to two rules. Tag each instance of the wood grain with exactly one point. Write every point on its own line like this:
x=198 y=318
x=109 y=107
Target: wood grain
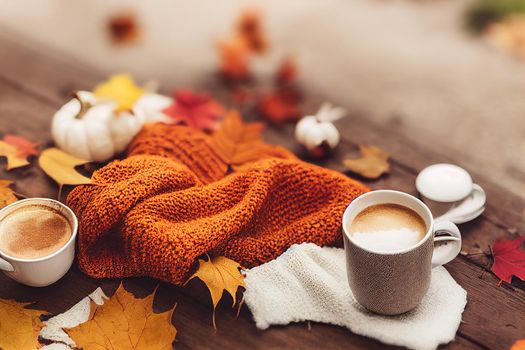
x=33 y=85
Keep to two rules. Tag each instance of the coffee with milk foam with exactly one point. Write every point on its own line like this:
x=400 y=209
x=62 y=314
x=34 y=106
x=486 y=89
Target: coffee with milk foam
x=386 y=228
x=33 y=232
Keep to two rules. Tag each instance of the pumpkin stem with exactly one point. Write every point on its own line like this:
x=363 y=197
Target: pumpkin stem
x=84 y=106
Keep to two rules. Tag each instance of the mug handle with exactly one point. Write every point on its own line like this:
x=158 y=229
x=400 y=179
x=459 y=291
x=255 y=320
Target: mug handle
x=445 y=252
x=4 y=265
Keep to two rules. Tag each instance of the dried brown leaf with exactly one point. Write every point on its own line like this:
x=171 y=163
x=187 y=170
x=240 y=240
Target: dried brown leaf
x=372 y=163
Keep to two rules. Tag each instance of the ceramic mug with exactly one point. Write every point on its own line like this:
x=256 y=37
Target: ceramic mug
x=47 y=270
x=395 y=282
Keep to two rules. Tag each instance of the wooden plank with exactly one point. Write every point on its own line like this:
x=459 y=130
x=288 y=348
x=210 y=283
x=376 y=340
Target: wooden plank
x=192 y=317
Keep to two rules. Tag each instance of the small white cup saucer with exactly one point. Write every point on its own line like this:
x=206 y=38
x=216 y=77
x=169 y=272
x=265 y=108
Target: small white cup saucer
x=450 y=194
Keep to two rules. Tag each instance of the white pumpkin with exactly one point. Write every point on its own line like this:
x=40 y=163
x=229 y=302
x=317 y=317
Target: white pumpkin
x=92 y=130
x=317 y=133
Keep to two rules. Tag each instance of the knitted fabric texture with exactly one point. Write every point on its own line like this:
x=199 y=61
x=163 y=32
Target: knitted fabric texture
x=309 y=283
x=169 y=202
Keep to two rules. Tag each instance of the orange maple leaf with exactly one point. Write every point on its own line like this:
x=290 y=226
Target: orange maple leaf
x=518 y=345
x=236 y=142
x=249 y=28
x=280 y=106
x=234 y=57
x=25 y=147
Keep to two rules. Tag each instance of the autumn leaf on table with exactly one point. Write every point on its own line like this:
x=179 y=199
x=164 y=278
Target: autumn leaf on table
x=236 y=142
x=123 y=28
x=17 y=149
x=122 y=89
x=249 y=28
x=197 y=110
x=287 y=72
x=7 y=195
x=280 y=106
x=19 y=326
x=234 y=60
x=220 y=274
x=125 y=322
x=372 y=163
x=509 y=259
x=518 y=345
x=60 y=166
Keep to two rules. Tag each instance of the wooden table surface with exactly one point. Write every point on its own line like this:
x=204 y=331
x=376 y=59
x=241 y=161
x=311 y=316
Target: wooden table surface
x=32 y=87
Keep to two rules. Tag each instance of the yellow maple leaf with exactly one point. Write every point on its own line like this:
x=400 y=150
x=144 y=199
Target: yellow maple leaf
x=60 y=166
x=122 y=89
x=6 y=194
x=125 y=322
x=19 y=327
x=14 y=158
x=372 y=163
x=219 y=274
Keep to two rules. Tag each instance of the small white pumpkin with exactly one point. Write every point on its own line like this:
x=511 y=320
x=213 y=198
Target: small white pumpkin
x=317 y=133
x=92 y=130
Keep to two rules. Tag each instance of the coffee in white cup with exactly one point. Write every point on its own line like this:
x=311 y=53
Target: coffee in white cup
x=33 y=232
x=37 y=241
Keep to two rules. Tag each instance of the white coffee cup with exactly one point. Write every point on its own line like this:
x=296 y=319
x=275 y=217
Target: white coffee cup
x=47 y=270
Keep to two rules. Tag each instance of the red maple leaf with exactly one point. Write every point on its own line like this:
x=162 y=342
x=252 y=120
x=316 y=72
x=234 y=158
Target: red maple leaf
x=197 y=110
x=287 y=72
x=25 y=147
x=509 y=259
x=280 y=106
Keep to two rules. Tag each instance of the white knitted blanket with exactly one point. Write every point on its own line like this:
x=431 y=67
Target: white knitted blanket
x=309 y=283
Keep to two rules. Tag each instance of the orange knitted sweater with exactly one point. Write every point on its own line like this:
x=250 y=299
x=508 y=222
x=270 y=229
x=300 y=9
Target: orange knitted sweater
x=167 y=203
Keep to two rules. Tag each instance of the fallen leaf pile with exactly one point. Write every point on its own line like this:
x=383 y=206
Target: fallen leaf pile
x=125 y=322
x=237 y=142
x=17 y=149
x=19 y=326
x=60 y=166
x=7 y=195
x=509 y=259
x=197 y=110
x=122 y=89
x=372 y=163
x=220 y=275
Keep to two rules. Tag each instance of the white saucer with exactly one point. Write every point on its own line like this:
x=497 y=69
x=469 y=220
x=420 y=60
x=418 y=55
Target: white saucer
x=461 y=219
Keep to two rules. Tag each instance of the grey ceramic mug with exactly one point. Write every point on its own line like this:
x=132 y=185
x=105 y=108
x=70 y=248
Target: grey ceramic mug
x=394 y=283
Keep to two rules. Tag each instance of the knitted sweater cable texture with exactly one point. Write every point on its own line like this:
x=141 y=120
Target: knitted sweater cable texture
x=167 y=203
